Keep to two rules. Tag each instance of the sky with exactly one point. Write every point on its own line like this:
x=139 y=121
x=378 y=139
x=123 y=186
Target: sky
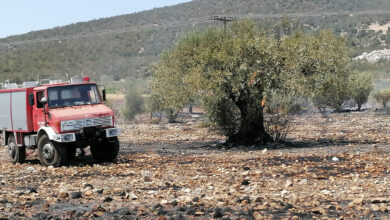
x=22 y=16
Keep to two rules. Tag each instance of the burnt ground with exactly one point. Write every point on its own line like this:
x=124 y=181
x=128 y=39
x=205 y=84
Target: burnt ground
x=331 y=167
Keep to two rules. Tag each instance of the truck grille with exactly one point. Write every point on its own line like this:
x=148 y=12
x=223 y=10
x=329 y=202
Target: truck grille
x=90 y=122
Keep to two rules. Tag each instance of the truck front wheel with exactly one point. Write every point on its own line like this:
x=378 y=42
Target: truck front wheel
x=51 y=153
x=16 y=153
x=106 y=150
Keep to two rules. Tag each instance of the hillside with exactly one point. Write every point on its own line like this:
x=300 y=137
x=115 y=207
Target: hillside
x=129 y=52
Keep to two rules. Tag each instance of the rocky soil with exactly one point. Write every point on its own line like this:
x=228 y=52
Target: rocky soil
x=332 y=167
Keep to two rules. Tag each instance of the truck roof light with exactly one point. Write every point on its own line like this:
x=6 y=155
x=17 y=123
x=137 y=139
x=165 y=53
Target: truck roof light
x=86 y=79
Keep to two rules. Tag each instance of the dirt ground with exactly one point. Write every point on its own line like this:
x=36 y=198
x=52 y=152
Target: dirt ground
x=332 y=167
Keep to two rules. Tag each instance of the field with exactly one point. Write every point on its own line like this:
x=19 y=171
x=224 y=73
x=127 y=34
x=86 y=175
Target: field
x=332 y=167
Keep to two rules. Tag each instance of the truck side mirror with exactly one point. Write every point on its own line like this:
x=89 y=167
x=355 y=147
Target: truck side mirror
x=43 y=101
x=104 y=94
x=31 y=99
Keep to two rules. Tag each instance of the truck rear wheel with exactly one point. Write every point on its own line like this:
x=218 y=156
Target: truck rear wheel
x=16 y=153
x=105 y=151
x=51 y=153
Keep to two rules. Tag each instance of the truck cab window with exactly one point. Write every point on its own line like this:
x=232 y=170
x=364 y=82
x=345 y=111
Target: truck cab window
x=38 y=100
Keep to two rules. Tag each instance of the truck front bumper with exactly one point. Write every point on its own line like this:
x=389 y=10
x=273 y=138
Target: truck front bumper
x=72 y=137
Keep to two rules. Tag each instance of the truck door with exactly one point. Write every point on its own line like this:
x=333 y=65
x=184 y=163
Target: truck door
x=38 y=117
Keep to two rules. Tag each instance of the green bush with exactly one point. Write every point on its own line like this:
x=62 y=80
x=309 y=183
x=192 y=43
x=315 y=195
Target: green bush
x=171 y=115
x=360 y=86
x=382 y=96
x=279 y=107
x=135 y=104
x=333 y=92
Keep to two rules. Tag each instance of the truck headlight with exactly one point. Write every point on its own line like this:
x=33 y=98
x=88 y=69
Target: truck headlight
x=113 y=132
x=68 y=137
x=65 y=138
x=67 y=125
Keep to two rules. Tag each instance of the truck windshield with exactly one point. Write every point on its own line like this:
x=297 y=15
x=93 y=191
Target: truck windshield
x=73 y=95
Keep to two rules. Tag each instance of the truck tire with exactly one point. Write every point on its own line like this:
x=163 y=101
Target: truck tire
x=16 y=153
x=70 y=153
x=51 y=153
x=105 y=151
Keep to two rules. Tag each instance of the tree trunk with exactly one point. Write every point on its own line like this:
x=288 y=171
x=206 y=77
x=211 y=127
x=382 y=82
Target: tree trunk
x=359 y=107
x=252 y=129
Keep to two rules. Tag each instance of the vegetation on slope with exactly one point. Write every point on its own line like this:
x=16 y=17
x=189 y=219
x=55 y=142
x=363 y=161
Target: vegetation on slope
x=121 y=55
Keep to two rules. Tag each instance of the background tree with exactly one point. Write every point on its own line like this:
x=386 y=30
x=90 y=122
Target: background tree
x=382 y=96
x=135 y=104
x=360 y=86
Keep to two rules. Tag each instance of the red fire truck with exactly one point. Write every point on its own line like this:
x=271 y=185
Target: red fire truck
x=56 y=118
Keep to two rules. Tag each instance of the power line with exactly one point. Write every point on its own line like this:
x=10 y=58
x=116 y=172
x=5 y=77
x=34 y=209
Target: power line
x=224 y=19
x=313 y=14
x=190 y=21
x=112 y=31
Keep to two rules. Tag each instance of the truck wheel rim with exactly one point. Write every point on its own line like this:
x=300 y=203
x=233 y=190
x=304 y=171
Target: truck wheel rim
x=11 y=149
x=48 y=151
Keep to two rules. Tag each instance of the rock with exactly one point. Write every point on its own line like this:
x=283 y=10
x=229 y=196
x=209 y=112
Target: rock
x=199 y=213
x=163 y=202
x=195 y=199
x=33 y=190
x=157 y=206
x=284 y=193
x=335 y=159
x=245 y=200
x=88 y=193
x=162 y=211
x=148 y=179
x=99 y=214
x=288 y=184
x=259 y=199
x=75 y=195
x=132 y=196
x=375 y=207
x=107 y=199
x=246 y=168
x=303 y=182
x=63 y=195
x=162 y=218
x=257 y=216
x=88 y=186
x=218 y=212
x=123 y=211
x=264 y=151
x=190 y=211
x=98 y=208
x=31 y=169
x=358 y=201
x=46 y=206
x=245 y=182
x=186 y=190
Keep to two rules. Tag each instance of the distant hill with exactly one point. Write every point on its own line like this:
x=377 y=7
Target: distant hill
x=128 y=51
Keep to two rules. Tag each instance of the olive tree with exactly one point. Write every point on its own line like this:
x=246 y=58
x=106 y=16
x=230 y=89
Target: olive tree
x=230 y=73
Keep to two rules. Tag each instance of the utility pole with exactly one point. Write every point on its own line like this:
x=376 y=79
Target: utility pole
x=224 y=19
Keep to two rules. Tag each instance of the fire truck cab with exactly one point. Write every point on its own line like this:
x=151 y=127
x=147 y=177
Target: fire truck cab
x=56 y=118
